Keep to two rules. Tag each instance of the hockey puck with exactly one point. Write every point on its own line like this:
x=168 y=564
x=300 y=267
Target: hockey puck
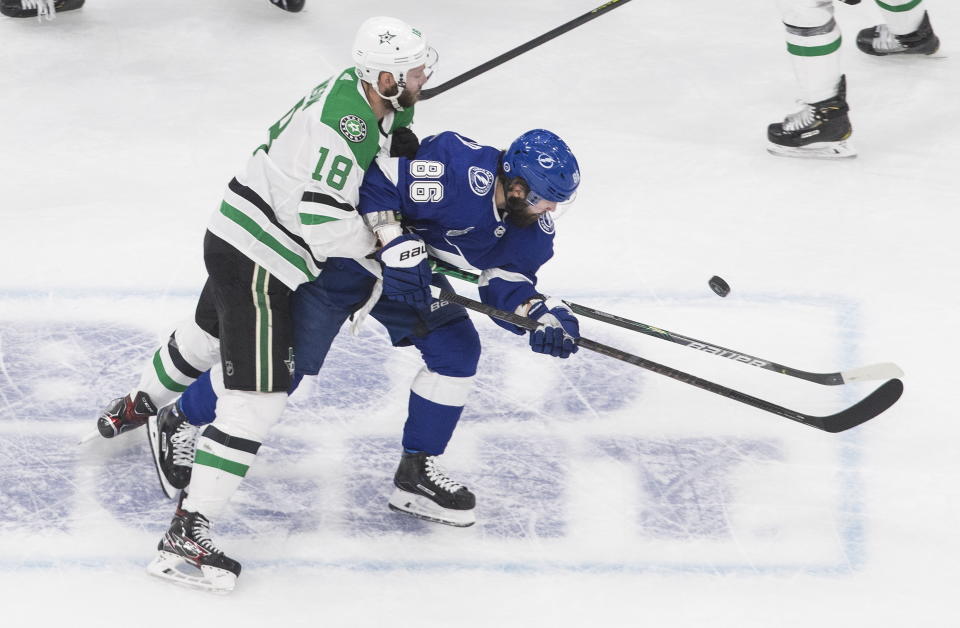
x=718 y=285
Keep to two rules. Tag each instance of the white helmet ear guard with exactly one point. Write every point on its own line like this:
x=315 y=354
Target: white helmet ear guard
x=386 y=44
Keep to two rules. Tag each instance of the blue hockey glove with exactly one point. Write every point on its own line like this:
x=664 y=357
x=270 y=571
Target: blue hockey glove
x=558 y=331
x=406 y=272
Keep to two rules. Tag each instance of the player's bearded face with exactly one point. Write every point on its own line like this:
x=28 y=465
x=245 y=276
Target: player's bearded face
x=519 y=211
x=414 y=82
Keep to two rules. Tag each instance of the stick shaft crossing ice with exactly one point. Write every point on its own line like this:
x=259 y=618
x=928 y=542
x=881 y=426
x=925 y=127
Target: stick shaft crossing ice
x=867 y=408
x=872 y=372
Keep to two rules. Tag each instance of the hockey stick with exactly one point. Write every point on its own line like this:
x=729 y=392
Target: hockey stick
x=867 y=408
x=429 y=92
x=884 y=370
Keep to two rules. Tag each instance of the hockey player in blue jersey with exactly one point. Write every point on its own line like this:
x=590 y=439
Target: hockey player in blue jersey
x=473 y=206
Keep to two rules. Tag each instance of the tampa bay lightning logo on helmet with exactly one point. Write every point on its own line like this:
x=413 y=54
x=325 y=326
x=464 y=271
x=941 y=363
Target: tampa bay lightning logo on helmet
x=481 y=180
x=546 y=163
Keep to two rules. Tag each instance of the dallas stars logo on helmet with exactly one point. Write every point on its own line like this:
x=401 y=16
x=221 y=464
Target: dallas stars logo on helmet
x=353 y=128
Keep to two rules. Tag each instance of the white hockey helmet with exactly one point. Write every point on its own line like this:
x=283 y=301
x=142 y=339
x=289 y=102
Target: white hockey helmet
x=386 y=44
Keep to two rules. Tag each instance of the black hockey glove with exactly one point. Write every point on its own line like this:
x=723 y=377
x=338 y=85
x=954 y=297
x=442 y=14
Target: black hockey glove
x=404 y=143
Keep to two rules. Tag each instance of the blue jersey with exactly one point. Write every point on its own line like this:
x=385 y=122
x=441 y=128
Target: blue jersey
x=446 y=196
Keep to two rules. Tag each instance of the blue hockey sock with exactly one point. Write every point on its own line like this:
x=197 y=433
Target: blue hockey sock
x=429 y=425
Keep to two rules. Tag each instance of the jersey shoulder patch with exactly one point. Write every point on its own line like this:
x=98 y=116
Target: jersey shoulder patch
x=348 y=113
x=546 y=224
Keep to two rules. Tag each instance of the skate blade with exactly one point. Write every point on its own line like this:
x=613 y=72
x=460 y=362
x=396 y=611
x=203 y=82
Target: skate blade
x=423 y=508
x=177 y=570
x=153 y=435
x=819 y=150
x=88 y=437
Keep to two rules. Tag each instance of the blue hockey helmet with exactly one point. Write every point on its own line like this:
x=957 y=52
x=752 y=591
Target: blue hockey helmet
x=546 y=163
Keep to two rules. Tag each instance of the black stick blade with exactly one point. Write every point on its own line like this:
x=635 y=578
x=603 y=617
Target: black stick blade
x=870 y=406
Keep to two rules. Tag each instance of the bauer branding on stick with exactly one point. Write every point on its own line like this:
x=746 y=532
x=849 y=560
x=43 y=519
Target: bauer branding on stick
x=718 y=285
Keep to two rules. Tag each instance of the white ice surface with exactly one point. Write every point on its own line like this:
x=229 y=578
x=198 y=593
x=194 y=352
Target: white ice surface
x=608 y=496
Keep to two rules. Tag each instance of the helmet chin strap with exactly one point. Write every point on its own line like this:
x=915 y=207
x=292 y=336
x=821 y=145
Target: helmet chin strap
x=393 y=100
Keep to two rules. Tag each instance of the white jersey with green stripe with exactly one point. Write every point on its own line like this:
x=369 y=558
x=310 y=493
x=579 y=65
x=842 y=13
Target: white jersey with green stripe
x=294 y=205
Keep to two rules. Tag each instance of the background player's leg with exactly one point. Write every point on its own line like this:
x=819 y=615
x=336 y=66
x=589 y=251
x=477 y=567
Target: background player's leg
x=906 y=30
x=821 y=127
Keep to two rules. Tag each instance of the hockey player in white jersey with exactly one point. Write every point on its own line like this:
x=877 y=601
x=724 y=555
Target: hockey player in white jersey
x=39 y=9
x=821 y=128
x=48 y=8
x=293 y=6
x=291 y=208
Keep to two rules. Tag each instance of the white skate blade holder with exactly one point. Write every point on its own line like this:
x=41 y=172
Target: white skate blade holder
x=424 y=508
x=817 y=150
x=175 y=569
x=153 y=435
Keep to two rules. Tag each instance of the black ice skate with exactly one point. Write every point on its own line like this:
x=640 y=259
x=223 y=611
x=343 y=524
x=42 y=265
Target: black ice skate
x=125 y=414
x=14 y=8
x=173 y=442
x=880 y=41
x=819 y=130
x=424 y=491
x=293 y=6
x=188 y=556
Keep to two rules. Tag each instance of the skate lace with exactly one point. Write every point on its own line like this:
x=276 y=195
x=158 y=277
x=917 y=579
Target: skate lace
x=438 y=476
x=886 y=41
x=200 y=531
x=800 y=119
x=184 y=442
x=45 y=8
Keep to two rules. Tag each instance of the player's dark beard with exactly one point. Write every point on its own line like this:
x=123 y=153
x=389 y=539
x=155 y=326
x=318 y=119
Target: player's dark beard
x=519 y=213
x=408 y=98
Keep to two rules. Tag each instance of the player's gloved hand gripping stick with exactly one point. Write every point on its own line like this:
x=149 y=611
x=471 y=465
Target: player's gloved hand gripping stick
x=558 y=331
x=406 y=272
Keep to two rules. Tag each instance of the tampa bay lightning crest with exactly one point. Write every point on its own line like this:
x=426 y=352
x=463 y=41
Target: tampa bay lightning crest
x=481 y=180
x=546 y=223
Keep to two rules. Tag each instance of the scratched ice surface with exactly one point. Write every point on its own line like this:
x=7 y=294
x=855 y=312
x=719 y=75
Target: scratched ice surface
x=37 y=481
x=685 y=481
x=350 y=384
x=367 y=487
x=522 y=483
x=53 y=372
x=580 y=387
